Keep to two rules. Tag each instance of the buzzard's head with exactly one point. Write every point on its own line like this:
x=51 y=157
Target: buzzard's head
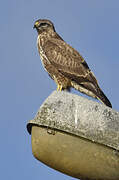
x=42 y=25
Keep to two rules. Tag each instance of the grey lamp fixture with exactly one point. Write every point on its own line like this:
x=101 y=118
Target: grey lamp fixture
x=76 y=136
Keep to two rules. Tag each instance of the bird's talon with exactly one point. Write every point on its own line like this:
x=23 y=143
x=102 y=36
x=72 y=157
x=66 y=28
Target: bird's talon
x=59 y=87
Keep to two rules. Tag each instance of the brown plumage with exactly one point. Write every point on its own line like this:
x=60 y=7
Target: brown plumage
x=64 y=64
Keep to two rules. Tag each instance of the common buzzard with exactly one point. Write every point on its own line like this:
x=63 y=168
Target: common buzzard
x=64 y=64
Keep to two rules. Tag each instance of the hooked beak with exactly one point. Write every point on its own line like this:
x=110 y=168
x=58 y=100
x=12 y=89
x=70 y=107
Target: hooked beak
x=34 y=26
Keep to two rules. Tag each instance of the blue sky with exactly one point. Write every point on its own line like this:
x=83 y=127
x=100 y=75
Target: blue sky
x=91 y=27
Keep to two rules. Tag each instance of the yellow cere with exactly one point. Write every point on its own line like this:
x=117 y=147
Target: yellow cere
x=36 y=23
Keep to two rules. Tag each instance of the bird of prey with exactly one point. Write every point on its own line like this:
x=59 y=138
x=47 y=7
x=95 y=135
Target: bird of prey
x=64 y=64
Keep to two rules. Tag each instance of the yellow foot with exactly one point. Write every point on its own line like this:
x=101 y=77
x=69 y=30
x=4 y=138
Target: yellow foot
x=59 y=87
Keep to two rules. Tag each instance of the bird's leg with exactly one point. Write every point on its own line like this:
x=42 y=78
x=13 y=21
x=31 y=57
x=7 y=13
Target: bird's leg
x=59 y=87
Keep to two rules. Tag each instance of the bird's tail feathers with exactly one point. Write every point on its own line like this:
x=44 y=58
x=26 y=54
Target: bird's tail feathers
x=92 y=90
x=101 y=96
x=83 y=89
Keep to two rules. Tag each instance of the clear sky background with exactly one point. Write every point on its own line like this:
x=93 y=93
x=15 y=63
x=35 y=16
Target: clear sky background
x=91 y=27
